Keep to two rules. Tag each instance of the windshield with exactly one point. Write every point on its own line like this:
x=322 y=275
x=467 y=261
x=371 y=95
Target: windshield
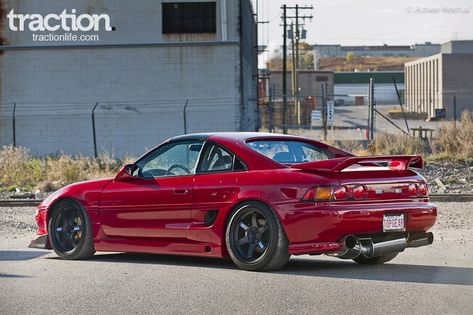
x=288 y=152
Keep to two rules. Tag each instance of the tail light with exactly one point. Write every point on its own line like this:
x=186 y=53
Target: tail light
x=359 y=192
x=422 y=190
x=318 y=193
x=418 y=190
x=327 y=193
x=412 y=189
x=340 y=193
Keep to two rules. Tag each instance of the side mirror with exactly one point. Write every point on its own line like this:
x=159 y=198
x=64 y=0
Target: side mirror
x=126 y=173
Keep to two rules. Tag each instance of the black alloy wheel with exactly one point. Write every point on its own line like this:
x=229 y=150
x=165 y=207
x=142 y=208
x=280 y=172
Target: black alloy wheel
x=255 y=238
x=70 y=231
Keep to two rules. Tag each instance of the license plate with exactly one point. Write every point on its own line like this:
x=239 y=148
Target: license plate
x=394 y=222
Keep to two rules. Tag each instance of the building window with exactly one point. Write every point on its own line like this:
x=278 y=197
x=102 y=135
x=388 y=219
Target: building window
x=189 y=17
x=321 y=79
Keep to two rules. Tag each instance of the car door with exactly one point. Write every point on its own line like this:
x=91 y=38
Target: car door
x=156 y=202
x=216 y=181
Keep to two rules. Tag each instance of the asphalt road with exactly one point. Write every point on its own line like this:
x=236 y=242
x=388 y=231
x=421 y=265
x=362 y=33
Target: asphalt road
x=432 y=280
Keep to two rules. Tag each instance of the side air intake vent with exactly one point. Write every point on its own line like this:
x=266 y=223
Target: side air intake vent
x=210 y=217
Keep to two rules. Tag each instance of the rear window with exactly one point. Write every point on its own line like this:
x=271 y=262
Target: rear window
x=289 y=152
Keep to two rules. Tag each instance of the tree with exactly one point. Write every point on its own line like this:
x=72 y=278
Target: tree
x=350 y=56
x=306 y=58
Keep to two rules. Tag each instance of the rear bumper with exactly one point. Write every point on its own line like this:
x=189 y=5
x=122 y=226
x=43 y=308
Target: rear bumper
x=318 y=228
x=40 y=241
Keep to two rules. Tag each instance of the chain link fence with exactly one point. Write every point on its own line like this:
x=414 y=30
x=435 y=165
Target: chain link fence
x=116 y=128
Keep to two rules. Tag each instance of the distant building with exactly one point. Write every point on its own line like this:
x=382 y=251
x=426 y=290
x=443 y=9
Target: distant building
x=433 y=84
x=310 y=82
x=145 y=61
x=351 y=88
x=309 y=97
x=416 y=50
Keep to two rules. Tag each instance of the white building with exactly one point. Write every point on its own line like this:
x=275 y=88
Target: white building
x=141 y=62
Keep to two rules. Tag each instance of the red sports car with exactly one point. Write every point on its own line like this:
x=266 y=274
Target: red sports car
x=256 y=198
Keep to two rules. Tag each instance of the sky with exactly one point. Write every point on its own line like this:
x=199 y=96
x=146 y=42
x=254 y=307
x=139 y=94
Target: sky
x=371 y=22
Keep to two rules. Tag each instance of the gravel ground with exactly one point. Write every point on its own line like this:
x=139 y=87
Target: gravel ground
x=437 y=279
x=446 y=177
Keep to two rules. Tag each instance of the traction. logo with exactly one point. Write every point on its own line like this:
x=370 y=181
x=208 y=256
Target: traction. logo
x=68 y=22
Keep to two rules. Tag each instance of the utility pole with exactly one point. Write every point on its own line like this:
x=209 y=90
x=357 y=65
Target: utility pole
x=296 y=71
x=284 y=71
x=455 y=109
x=295 y=51
x=271 y=108
x=324 y=109
x=371 y=109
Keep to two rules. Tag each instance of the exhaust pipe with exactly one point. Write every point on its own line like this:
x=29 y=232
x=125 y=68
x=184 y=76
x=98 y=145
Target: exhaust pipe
x=420 y=240
x=386 y=247
x=353 y=246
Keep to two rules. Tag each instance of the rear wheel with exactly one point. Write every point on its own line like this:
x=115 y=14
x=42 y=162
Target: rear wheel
x=70 y=231
x=375 y=260
x=255 y=238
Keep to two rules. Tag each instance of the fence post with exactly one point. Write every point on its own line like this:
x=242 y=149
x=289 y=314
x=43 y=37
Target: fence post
x=185 y=116
x=371 y=109
x=455 y=109
x=271 y=108
x=94 y=135
x=14 y=124
x=324 y=109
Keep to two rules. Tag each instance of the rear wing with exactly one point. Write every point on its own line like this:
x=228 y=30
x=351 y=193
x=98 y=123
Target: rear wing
x=364 y=163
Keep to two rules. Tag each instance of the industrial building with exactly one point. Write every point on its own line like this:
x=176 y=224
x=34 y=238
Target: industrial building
x=309 y=96
x=416 y=50
x=121 y=76
x=351 y=88
x=441 y=86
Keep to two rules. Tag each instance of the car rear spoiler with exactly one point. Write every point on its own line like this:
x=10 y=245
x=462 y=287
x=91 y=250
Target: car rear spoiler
x=394 y=162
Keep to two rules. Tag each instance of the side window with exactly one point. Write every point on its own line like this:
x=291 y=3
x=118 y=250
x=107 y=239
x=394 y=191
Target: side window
x=173 y=159
x=217 y=159
x=311 y=153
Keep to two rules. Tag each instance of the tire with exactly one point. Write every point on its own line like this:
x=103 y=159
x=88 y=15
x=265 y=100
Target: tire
x=362 y=260
x=255 y=238
x=70 y=231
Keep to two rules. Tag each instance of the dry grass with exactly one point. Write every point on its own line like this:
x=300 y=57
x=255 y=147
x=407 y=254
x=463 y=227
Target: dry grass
x=18 y=169
x=454 y=141
x=364 y=63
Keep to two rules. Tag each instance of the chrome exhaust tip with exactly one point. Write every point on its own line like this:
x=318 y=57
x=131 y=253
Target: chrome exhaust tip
x=351 y=248
x=420 y=240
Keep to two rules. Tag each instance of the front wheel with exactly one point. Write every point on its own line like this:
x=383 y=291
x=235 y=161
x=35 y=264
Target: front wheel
x=378 y=260
x=255 y=238
x=70 y=231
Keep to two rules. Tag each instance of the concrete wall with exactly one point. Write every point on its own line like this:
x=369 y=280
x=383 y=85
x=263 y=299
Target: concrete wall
x=457 y=80
x=458 y=47
x=431 y=83
x=385 y=94
x=140 y=77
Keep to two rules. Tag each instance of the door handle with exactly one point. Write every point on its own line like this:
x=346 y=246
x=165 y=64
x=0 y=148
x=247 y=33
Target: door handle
x=180 y=191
